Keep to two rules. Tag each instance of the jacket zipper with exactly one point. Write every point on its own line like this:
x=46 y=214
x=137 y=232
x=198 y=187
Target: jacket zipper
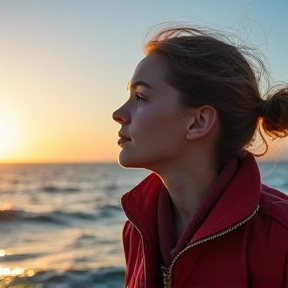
x=167 y=272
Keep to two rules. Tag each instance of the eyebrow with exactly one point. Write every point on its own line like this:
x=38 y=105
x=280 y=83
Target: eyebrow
x=138 y=83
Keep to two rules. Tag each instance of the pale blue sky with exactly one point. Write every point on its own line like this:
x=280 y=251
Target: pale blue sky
x=65 y=64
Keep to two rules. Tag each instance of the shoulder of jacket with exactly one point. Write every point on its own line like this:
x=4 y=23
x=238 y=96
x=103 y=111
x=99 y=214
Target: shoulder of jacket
x=274 y=204
x=129 y=230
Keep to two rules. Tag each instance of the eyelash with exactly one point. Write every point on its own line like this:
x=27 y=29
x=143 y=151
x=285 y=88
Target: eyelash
x=139 y=97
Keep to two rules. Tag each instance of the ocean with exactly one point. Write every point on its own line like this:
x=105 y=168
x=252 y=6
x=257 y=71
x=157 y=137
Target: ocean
x=60 y=224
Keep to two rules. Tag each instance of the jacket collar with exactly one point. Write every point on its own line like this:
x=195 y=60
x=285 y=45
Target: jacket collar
x=238 y=201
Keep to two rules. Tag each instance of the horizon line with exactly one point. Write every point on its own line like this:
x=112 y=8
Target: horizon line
x=110 y=162
x=58 y=162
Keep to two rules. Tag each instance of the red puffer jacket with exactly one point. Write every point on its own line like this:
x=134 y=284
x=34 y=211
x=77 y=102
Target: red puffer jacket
x=242 y=243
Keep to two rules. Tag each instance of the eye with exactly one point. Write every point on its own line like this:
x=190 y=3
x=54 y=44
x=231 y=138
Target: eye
x=139 y=97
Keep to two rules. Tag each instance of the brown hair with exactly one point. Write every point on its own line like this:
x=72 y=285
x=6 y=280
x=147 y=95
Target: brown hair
x=209 y=70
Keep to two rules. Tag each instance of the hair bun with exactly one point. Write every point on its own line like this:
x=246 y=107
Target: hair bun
x=275 y=114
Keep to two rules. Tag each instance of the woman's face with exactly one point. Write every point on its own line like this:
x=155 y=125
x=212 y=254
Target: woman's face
x=152 y=126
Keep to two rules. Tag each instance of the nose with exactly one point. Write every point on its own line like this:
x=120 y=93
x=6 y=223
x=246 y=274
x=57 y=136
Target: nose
x=121 y=115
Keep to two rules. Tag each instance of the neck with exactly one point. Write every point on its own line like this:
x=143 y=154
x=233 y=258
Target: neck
x=187 y=189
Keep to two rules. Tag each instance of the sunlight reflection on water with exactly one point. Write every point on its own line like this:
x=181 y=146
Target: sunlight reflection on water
x=5 y=271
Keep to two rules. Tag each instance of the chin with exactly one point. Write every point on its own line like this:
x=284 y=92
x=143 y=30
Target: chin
x=130 y=162
x=124 y=161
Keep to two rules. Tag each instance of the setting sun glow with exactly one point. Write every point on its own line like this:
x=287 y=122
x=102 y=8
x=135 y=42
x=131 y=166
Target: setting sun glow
x=8 y=135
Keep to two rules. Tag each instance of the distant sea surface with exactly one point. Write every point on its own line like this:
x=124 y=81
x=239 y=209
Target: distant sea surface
x=60 y=224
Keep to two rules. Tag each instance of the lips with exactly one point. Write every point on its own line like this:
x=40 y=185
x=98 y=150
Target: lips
x=123 y=139
x=123 y=136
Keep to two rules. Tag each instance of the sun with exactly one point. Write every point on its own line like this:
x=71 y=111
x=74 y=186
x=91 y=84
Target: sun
x=8 y=135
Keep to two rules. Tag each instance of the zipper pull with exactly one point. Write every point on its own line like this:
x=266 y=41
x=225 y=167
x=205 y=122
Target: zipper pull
x=166 y=276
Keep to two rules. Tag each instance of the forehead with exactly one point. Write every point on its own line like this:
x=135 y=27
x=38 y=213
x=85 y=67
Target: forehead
x=150 y=70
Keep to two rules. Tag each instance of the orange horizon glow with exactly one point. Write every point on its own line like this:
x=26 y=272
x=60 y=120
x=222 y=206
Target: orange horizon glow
x=25 y=142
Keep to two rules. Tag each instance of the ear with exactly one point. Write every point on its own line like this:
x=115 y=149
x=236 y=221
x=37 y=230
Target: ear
x=201 y=122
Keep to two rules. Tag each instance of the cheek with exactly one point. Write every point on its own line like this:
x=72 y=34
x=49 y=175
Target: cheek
x=148 y=122
x=157 y=127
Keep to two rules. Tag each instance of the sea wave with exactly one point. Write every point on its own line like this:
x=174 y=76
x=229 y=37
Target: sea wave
x=60 y=217
x=101 y=278
x=55 y=189
x=53 y=217
x=7 y=215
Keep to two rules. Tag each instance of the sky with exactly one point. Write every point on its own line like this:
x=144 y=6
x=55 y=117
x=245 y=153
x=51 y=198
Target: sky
x=65 y=65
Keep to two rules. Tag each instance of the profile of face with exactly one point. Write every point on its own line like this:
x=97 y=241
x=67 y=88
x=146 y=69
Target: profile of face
x=153 y=128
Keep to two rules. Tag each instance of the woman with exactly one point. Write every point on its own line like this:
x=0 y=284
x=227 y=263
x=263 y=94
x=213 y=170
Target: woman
x=203 y=218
